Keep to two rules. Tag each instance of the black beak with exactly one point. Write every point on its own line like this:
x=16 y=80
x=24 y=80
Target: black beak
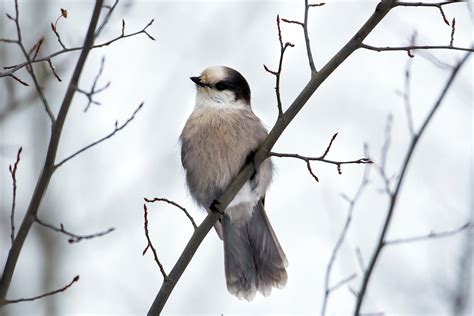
x=197 y=80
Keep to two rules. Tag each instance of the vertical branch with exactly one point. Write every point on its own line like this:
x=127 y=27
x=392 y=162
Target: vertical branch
x=342 y=236
x=48 y=168
x=306 y=36
x=30 y=68
x=394 y=196
x=277 y=73
x=13 y=168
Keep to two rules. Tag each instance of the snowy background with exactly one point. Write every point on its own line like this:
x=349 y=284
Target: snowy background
x=105 y=186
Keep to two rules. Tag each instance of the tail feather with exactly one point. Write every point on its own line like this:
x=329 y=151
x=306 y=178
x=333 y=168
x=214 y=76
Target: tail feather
x=254 y=259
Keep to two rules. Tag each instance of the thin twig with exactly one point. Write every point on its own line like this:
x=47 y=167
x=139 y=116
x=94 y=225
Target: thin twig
x=12 y=69
x=342 y=282
x=262 y=153
x=360 y=259
x=93 y=91
x=29 y=299
x=393 y=198
x=191 y=219
x=453 y=29
x=74 y=238
x=277 y=73
x=48 y=168
x=415 y=47
x=54 y=28
x=322 y=159
x=116 y=130
x=438 y=5
x=106 y=19
x=407 y=96
x=341 y=238
x=150 y=244
x=13 y=168
x=432 y=235
x=28 y=63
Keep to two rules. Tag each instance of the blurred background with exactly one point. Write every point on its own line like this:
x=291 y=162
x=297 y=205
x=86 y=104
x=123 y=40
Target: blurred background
x=105 y=186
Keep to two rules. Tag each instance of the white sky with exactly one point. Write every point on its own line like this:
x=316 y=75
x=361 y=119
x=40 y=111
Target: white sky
x=105 y=186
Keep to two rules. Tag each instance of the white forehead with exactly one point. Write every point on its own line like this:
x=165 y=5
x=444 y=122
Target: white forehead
x=214 y=73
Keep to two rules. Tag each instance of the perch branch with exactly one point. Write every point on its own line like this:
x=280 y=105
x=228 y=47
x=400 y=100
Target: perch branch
x=262 y=153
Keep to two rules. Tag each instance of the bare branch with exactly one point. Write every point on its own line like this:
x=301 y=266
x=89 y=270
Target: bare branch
x=93 y=91
x=438 y=5
x=342 y=282
x=117 y=129
x=13 y=168
x=262 y=153
x=19 y=80
x=106 y=19
x=304 y=25
x=14 y=68
x=340 y=240
x=277 y=73
x=407 y=95
x=29 y=68
x=453 y=29
x=150 y=244
x=53 y=70
x=191 y=219
x=393 y=198
x=430 y=236
x=55 y=31
x=408 y=49
x=360 y=259
x=48 y=168
x=322 y=159
x=74 y=238
x=29 y=299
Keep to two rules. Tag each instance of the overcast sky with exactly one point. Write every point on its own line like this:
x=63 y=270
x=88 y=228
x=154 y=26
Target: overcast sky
x=105 y=186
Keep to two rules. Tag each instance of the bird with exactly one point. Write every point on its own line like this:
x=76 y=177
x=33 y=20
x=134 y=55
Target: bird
x=217 y=140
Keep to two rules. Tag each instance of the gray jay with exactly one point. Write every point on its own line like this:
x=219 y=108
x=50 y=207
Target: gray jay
x=219 y=136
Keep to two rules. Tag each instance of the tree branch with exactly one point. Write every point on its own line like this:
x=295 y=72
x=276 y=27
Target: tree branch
x=322 y=159
x=93 y=91
x=409 y=48
x=29 y=61
x=29 y=299
x=74 y=238
x=432 y=235
x=393 y=197
x=150 y=245
x=48 y=168
x=12 y=69
x=262 y=153
x=277 y=73
x=13 y=168
x=341 y=238
x=117 y=129
x=191 y=219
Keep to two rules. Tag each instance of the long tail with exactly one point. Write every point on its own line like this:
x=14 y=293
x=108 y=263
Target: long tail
x=254 y=259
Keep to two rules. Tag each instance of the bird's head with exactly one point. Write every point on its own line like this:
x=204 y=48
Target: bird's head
x=220 y=86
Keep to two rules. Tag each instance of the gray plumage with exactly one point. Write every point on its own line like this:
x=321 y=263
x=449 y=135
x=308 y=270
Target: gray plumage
x=216 y=141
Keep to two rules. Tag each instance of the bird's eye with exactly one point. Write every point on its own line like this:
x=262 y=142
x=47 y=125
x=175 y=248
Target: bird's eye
x=221 y=85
